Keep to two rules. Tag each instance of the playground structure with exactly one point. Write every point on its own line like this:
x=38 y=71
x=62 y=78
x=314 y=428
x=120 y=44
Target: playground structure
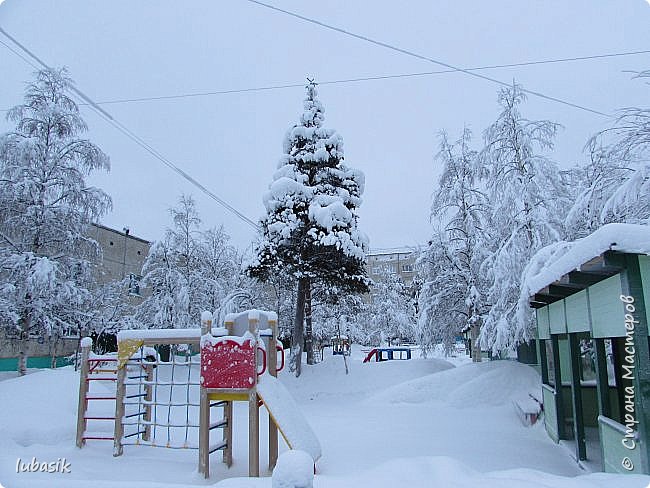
x=341 y=345
x=380 y=354
x=171 y=403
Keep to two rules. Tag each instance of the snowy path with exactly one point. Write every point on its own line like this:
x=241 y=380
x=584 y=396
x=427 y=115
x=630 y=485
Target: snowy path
x=417 y=423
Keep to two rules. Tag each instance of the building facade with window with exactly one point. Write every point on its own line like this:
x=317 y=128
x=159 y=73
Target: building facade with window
x=123 y=256
x=400 y=261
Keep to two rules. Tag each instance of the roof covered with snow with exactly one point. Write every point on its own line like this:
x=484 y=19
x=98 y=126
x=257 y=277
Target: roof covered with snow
x=552 y=262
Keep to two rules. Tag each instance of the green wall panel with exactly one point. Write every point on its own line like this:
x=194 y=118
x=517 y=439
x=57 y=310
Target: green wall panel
x=11 y=364
x=550 y=413
x=542 y=323
x=607 y=310
x=577 y=312
x=557 y=318
x=615 y=454
x=644 y=264
x=565 y=361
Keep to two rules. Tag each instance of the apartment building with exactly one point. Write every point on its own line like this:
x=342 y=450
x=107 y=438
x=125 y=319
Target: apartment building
x=123 y=257
x=396 y=260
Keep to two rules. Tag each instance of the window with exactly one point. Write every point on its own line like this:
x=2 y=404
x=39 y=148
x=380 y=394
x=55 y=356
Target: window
x=587 y=359
x=550 y=362
x=407 y=267
x=134 y=284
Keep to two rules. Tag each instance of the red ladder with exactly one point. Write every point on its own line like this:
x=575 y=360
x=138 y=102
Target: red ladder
x=91 y=371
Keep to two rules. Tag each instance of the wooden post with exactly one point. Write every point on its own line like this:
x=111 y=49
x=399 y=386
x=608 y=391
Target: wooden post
x=120 y=391
x=576 y=394
x=204 y=434
x=618 y=356
x=204 y=410
x=557 y=373
x=543 y=360
x=632 y=286
x=229 y=324
x=148 y=389
x=83 y=390
x=602 y=380
x=227 y=433
x=273 y=371
x=253 y=435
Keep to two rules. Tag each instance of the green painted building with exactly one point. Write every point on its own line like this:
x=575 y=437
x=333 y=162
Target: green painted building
x=590 y=301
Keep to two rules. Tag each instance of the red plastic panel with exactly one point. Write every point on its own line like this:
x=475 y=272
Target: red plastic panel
x=228 y=364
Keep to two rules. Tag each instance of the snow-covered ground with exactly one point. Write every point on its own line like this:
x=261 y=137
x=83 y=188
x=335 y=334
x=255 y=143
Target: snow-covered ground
x=418 y=423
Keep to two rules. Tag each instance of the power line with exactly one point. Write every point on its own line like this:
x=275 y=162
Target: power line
x=373 y=78
x=422 y=57
x=131 y=135
x=27 y=60
x=350 y=80
x=356 y=80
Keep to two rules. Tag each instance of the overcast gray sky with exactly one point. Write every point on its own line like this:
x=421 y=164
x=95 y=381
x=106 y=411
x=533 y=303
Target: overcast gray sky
x=231 y=142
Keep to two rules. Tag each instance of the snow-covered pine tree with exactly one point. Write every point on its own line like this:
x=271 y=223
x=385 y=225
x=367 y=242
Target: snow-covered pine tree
x=310 y=229
x=453 y=298
x=526 y=196
x=45 y=208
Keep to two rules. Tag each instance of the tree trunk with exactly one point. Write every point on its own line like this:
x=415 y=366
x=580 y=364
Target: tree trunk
x=22 y=361
x=298 y=327
x=23 y=344
x=476 y=346
x=309 y=339
x=53 y=359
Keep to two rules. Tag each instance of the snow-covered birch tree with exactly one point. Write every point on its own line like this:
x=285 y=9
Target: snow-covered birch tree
x=219 y=266
x=453 y=294
x=310 y=229
x=392 y=310
x=45 y=208
x=526 y=196
x=594 y=184
x=187 y=272
x=628 y=148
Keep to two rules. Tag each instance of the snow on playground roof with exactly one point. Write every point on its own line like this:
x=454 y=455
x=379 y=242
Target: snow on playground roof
x=252 y=315
x=552 y=262
x=167 y=333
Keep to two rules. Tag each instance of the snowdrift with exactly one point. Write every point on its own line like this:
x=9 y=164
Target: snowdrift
x=441 y=471
x=39 y=408
x=490 y=384
x=328 y=379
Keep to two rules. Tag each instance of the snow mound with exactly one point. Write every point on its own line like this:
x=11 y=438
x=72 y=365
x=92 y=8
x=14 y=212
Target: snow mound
x=295 y=469
x=288 y=416
x=40 y=408
x=492 y=383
